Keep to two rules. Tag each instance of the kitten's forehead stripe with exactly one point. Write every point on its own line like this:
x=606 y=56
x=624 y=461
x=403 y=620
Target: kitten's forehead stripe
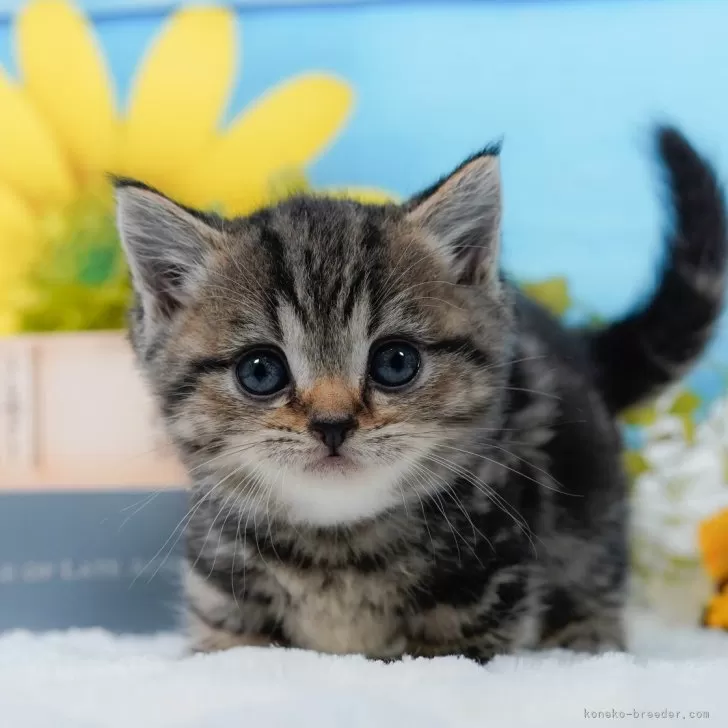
x=374 y=245
x=324 y=257
x=283 y=279
x=355 y=291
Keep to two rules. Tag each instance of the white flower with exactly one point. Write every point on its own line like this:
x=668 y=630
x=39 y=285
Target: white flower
x=685 y=484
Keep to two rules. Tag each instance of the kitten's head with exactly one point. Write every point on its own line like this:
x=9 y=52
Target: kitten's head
x=317 y=359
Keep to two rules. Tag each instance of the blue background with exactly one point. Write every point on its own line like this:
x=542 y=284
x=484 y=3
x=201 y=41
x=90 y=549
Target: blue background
x=572 y=88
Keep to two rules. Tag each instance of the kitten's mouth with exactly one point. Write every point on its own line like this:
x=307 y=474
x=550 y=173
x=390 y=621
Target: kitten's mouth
x=331 y=464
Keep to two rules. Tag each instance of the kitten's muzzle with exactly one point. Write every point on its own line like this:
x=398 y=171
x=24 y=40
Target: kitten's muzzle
x=333 y=432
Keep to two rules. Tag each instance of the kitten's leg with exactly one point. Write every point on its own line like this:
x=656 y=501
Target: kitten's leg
x=480 y=652
x=216 y=620
x=585 y=586
x=480 y=655
x=207 y=638
x=594 y=636
x=573 y=624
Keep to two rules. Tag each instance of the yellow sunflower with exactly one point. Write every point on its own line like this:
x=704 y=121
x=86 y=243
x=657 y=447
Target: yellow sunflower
x=61 y=132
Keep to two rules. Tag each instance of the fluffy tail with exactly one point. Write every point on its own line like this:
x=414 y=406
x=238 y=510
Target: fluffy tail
x=657 y=343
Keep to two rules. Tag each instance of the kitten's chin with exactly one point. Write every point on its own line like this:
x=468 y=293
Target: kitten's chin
x=338 y=493
x=332 y=466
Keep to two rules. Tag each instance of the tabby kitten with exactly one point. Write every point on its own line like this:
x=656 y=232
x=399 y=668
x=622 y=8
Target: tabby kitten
x=393 y=451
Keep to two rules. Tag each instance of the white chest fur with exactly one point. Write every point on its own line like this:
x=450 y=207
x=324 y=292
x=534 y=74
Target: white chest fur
x=343 y=611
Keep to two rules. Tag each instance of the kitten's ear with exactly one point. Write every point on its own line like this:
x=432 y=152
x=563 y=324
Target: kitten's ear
x=166 y=246
x=462 y=215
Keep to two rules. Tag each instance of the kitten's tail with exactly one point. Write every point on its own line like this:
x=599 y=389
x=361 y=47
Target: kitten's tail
x=659 y=341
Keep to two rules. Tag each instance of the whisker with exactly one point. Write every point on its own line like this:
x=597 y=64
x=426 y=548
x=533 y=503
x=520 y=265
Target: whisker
x=540 y=393
x=230 y=495
x=183 y=523
x=264 y=492
x=232 y=452
x=424 y=520
x=438 y=502
x=257 y=482
x=222 y=532
x=138 y=508
x=449 y=490
x=267 y=510
x=511 y=362
x=489 y=492
x=415 y=299
x=233 y=590
x=507 y=467
x=560 y=486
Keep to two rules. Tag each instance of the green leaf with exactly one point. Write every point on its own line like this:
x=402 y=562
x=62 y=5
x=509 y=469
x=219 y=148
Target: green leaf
x=641 y=416
x=595 y=321
x=635 y=463
x=685 y=403
x=552 y=293
x=97 y=266
x=82 y=282
x=689 y=428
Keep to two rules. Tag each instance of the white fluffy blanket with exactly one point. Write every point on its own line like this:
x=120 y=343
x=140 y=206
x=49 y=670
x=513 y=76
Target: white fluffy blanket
x=91 y=679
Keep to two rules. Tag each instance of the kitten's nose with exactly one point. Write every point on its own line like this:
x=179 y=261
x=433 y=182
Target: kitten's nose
x=333 y=432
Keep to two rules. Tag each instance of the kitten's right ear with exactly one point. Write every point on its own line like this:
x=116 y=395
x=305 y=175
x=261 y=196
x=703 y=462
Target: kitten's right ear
x=166 y=246
x=462 y=214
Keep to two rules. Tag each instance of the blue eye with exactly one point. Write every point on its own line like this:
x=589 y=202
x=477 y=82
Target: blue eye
x=394 y=364
x=262 y=372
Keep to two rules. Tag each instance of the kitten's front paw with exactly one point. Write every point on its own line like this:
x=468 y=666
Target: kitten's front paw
x=215 y=640
x=592 y=637
x=475 y=652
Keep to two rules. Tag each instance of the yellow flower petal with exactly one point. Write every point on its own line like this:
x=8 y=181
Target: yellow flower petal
x=18 y=252
x=9 y=322
x=180 y=91
x=286 y=128
x=713 y=540
x=365 y=195
x=30 y=158
x=717 y=611
x=16 y=217
x=66 y=76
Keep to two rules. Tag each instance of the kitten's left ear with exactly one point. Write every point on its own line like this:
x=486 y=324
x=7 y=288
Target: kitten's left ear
x=462 y=215
x=167 y=247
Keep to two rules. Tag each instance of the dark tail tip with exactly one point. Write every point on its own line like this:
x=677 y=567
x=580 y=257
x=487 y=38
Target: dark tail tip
x=660 y=340
x=699 y=225
x=673 y=146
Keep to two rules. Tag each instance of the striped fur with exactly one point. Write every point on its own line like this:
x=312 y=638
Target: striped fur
x=662 y=339
x=479 y=509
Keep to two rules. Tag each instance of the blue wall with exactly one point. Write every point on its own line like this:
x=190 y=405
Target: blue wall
x=571 y=86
